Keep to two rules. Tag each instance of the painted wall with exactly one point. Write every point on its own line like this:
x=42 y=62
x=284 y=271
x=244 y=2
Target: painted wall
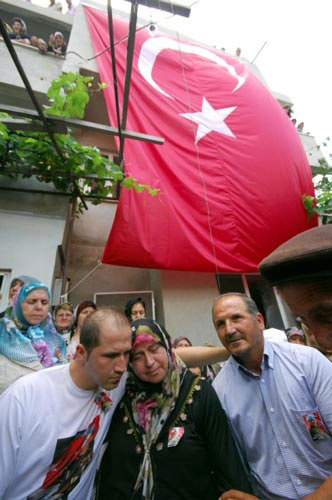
x=29 y=244
x=31 y=228
x=90 y=233
x=187 y=302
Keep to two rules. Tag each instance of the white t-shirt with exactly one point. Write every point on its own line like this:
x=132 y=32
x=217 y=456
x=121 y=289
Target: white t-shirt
x=51 y=433
x=275 y=335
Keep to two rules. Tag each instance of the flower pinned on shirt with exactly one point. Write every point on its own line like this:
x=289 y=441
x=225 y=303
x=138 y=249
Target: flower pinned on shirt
x=43 y=352
x=103 y=401
x=144 y=409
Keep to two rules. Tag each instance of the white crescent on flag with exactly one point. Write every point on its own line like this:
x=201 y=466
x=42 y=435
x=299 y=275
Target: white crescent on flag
x=154 y=45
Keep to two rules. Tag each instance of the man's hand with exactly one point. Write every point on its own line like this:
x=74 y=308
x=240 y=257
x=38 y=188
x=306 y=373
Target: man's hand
x=324 y=492
x=237 y=495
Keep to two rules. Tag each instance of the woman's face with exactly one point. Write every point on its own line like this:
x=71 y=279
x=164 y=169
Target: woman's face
x=14 y=289
x=137 y=311
x=183 y=343
x=17 y=27
x=84 y=314
x=150 y=362
x=35 y=306
x=59 y=40
x=296 y=339
x=63 y=318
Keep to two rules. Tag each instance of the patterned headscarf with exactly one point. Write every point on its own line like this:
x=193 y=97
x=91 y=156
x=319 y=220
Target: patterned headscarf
x=23 y=342
x=151 y=403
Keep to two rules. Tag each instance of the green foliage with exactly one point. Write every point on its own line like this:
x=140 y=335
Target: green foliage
x=69 y=95
x=322 y=203
x=34 y=153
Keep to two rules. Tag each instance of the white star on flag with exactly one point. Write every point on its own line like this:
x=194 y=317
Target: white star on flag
x=210 y=119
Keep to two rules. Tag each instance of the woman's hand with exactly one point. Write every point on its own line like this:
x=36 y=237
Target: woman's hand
x=237 y=495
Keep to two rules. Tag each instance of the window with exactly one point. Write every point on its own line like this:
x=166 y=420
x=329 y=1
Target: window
x=4 y=288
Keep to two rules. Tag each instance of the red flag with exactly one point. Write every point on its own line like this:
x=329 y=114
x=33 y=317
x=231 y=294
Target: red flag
x=231 y=172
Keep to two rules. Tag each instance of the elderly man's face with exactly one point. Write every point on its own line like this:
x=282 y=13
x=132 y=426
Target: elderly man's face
x=312 y=303
x=238 y=330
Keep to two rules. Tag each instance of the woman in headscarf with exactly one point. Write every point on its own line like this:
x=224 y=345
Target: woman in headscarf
x=169 y=437
x=59 y=46
x=84 y=309
x=29 y=341
x=14 y=287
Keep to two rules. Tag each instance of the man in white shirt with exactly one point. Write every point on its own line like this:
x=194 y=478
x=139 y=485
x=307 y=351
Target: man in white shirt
x=53 y=422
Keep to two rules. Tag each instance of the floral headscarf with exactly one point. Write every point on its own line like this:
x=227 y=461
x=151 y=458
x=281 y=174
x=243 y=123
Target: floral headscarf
x=25 y=343
x=151 y=403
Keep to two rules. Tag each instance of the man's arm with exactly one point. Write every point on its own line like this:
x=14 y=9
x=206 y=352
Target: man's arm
x=320 y=379
x=319 y=375
x=12 y=416
x=201 y=355
x=237 y=495
x=324 y=492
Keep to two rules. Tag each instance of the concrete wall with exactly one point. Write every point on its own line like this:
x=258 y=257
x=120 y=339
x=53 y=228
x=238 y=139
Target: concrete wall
x=31 y=227
x=90 y=234
x=187 y=301
x=29 y=244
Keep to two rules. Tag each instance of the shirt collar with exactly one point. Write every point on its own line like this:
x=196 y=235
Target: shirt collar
x=267 y=362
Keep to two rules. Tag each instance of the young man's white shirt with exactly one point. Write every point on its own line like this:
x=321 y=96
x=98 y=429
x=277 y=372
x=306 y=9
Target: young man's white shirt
x=51 y=433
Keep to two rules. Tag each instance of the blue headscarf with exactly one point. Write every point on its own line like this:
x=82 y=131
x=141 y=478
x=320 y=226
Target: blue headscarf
x=22 y=342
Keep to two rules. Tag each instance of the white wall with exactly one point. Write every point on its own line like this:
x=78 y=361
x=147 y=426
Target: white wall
x=29 y=243
x=187 y=301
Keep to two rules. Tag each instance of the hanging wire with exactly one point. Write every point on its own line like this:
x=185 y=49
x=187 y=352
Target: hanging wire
x=83 y=279
x=201 y=174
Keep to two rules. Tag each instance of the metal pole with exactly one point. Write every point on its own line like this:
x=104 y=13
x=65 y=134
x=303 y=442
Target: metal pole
x=129 y=65
x=70 y=232
x=115 y=81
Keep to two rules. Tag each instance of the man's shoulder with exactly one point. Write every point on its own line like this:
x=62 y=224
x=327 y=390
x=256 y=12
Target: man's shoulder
x=299 y=357
x=226 y=373
x=287 y=349
x=41 y=378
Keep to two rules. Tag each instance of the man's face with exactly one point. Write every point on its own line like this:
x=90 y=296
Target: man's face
x=313 y=305
x=237 y=329
x=107 y=362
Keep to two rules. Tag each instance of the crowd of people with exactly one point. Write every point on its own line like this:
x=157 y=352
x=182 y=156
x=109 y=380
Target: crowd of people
x=58 y=7
x=116 y=381
x=18 y=32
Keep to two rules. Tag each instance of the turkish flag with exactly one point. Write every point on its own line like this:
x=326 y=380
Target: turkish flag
x=231 y=172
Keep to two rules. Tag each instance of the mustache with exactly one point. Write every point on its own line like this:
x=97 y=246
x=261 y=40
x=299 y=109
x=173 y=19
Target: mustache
x=232 y=337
